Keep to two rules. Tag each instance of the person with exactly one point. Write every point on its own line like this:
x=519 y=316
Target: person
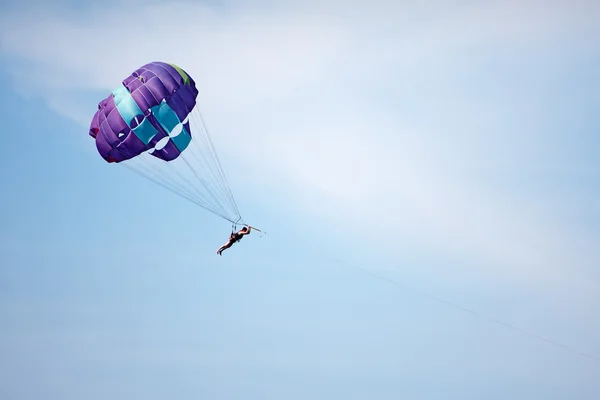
x=233 y=238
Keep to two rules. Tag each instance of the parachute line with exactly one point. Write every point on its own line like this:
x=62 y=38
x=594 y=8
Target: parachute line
x=201 y=123
x=195 y=175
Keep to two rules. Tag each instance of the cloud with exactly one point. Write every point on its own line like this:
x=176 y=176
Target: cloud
x=370 y=112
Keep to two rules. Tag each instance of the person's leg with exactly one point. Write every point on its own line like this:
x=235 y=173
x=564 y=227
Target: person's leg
x=225 y=246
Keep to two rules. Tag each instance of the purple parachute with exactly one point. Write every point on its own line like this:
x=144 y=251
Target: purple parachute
x=143 y=113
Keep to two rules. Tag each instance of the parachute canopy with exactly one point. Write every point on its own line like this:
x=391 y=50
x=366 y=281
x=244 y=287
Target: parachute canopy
x=141 y=114
x=151 y=125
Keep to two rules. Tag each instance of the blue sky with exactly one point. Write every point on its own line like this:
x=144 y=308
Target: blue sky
x=452 y=149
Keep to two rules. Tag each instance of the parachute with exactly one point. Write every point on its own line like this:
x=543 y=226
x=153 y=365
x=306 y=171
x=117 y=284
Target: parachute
x=151 y=125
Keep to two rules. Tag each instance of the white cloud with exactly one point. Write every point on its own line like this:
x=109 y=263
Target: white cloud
x=307 y=93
